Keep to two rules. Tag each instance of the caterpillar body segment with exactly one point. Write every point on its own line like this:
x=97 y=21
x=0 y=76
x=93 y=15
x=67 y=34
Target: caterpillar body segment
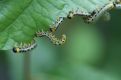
x=77 y=12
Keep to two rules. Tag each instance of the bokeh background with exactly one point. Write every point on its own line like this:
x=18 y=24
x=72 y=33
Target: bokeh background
x=92 y=52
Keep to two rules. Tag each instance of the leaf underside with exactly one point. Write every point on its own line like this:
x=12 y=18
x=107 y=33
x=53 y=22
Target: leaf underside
x=21 y=19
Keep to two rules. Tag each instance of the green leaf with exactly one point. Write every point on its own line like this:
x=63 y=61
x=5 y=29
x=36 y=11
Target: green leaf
x=20 y=19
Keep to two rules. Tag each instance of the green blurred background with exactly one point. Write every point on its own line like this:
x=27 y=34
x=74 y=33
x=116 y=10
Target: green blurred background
x=92 y=52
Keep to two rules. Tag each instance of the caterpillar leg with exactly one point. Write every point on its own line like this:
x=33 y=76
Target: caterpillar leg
x=52 y=37
x=24 y=47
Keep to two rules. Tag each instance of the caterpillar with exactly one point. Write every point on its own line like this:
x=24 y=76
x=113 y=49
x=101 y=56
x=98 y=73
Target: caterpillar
x=52 y=37
x=78 y=12
x=24 y=47
x=55 y=25
x=96 y=14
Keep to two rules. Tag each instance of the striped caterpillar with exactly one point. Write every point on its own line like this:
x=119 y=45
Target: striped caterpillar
x=96 y=14
x=24 y=47
x=52 y=37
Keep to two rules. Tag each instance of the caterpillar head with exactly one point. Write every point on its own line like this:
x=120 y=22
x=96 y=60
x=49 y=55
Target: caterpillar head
x=16 y=49
x=70 y=15
x=63 y=38
x=53 y=29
